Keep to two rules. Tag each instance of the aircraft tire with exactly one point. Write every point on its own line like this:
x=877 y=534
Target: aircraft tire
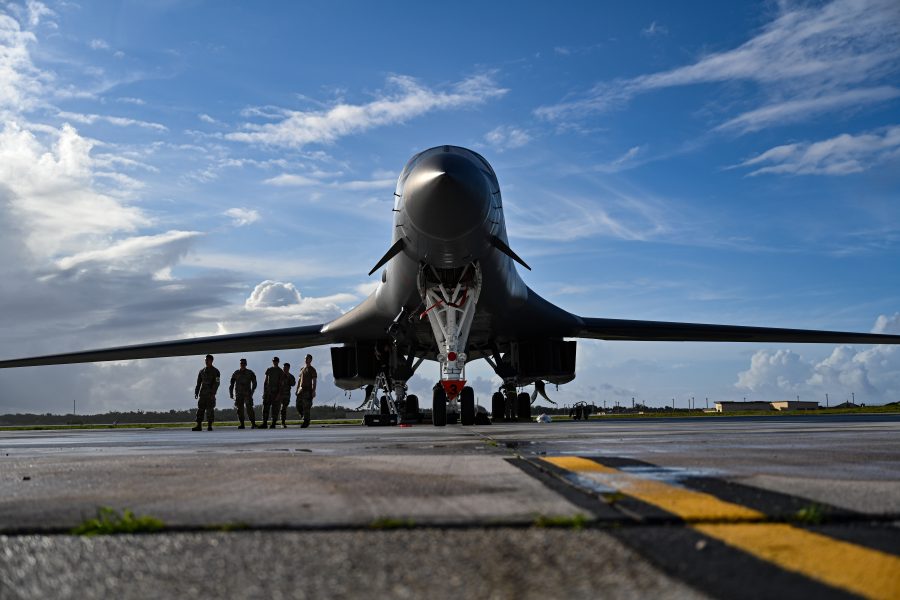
x=498 y=407
x=467 y=406
x=439 y=407
x=385 y=407
x=523 y=411
x=412 y=407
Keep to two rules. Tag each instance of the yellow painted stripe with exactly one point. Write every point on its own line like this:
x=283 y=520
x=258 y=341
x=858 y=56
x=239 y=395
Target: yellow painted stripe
x=869 y=573
x=687 y=504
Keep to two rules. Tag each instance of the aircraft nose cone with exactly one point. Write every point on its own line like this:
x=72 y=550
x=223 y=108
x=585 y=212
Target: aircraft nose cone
x=446 y=196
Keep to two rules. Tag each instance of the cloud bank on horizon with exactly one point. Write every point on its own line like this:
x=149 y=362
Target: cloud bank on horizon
x=157 y=183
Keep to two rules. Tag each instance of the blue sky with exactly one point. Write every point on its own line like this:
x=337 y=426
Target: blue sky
x=187 y=168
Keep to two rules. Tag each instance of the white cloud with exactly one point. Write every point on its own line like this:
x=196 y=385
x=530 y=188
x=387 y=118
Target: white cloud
x=130 y=100
x=805 y=108
x=147 y=253
x=613 y=214
x=206 y=118
x=242 y=216
x=98 y=44
x=294 y=180
x=369 y=184
x=36 y=11
x=51 y=191
x=507 y=137
x=278 y=299
x=808 y=58
x=886 y=324
x=272 y=294
x=20 y=81
x=840 y=155
x=409 y=100
x=628 y=160
x=654 y=29
x=90 y=119
x=289 y=180
x=873 y=374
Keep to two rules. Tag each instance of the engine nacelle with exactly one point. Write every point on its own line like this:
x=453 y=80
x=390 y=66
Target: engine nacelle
x=354 y=365
x=552 y=361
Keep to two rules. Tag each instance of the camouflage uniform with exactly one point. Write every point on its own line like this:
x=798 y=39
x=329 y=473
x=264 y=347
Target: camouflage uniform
x=205 y=392
x=272 y=393
x=305 y=395
x=285 y=396
x=243 y=384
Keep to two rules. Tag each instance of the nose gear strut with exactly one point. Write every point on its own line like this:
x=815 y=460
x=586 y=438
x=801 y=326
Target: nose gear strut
x=449 y=302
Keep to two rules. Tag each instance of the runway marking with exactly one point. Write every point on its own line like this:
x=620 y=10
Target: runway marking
x=863 y=571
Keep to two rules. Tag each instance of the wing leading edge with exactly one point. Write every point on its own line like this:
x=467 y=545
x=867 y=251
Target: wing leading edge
x=665 y=331
x=272 y=339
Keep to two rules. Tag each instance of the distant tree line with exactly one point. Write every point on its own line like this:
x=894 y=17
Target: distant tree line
x=171 y=416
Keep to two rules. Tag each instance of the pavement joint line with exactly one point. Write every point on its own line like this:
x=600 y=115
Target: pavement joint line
x=860 y=570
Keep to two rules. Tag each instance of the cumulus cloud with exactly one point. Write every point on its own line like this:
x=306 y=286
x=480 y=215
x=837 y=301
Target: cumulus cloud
x=407 y=99
x=809 y=60
x=887 y=324
x=51 y=190
x=272 y=294
x=242 y=216
x=840 y=155
x=873 y=374
x=98 y=44
x=507 y=137
x=280 y=299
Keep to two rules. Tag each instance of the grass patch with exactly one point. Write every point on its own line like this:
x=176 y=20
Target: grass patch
x=813 y=514
x=613 y=497
x=576 y=522
x=389 y=523
x=229 y=527
x=161 y=425
x=109 y=522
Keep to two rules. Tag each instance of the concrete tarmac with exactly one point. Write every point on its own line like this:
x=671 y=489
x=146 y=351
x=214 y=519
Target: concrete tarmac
x=564 y=509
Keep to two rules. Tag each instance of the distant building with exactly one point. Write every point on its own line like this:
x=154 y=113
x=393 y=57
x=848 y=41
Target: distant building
x=794 y=405
x=729 y=406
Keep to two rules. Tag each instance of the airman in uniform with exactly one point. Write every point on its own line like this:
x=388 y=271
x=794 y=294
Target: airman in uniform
x=205 y=394
x=243 y=383
x=272 y=393
x=285 y=393
x=306 y=390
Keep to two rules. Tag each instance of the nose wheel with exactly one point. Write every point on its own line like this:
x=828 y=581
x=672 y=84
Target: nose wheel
x=444 y=412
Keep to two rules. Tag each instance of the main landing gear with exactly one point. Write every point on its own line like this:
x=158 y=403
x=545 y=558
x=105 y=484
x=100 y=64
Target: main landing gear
x=508 y=406
x=394 y=406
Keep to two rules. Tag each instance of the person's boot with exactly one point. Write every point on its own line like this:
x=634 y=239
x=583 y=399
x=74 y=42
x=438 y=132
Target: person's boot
x=305 y=425
x=253 y=425
x=199 y=427
x=283 y=424
x=241 y=426
x=209 y=426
